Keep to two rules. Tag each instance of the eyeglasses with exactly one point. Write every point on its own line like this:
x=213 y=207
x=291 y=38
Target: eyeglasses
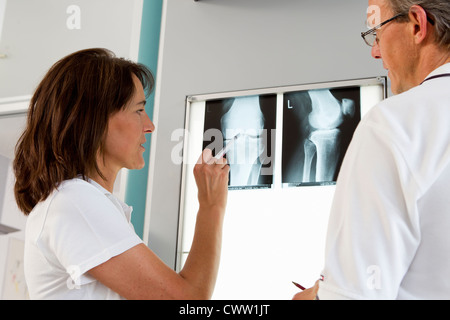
x=370 y=37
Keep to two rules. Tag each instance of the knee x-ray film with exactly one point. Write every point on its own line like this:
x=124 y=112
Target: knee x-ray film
x=252 y=119
x=283 y=167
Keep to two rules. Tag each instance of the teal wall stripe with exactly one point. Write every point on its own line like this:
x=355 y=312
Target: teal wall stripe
x=136 y=190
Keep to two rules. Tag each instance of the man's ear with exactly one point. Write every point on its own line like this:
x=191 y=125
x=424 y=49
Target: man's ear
x=418 y=19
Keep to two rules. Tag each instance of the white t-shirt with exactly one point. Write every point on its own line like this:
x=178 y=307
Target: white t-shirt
x=79 y=226
x=389 y=229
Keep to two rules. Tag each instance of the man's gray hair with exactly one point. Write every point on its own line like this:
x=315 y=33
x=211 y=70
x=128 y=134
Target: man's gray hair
x=437 y=10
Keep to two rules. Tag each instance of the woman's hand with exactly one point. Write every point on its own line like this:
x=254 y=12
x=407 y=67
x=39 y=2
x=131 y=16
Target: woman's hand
x=211 y=176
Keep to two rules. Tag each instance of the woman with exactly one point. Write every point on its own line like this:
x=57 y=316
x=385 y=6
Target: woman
x=86 y=122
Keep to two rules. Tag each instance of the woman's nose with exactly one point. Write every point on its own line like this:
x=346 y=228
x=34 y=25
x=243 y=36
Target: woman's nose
x=149 y=127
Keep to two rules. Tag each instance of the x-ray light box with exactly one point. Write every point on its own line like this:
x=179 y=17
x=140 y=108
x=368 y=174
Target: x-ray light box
x=283 y=168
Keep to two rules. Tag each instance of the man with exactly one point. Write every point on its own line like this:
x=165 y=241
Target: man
x=388 y=235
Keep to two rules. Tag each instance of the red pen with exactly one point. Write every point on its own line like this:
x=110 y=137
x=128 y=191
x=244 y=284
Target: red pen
x=299 y=285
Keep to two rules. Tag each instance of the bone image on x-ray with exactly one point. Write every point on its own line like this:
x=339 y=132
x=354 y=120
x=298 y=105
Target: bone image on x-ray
x=326 y=116
x=246 y=119
x=320 y=118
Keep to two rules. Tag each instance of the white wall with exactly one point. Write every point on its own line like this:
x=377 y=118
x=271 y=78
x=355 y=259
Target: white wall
x=2 y=15
x=224 y=45
x=10 y=216
x=36 y=34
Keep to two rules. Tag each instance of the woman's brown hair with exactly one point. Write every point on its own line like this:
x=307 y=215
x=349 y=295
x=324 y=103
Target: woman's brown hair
x=68 y=119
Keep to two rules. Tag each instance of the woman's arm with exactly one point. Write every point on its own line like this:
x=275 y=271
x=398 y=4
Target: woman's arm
x=139 y=274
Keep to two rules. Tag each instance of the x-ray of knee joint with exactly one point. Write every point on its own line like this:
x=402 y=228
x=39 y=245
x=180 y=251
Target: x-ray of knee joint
x=283 y=166
x=317 y=129
x=250 y=156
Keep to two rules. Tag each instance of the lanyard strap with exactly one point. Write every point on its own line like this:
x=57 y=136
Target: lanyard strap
x=437 y=76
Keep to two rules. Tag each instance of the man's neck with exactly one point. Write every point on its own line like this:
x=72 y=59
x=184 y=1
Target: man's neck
x=429 y=61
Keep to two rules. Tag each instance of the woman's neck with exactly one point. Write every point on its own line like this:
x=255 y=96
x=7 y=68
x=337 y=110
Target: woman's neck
x=107 y=177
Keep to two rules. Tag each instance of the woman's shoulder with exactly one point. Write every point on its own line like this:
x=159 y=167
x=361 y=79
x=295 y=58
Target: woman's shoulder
x=79 y=192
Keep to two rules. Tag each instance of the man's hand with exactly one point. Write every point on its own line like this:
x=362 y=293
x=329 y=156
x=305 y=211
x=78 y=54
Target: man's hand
x=308 y=294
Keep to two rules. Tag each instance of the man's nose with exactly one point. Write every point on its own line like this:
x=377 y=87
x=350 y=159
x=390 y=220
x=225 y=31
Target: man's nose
x=376 y=53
